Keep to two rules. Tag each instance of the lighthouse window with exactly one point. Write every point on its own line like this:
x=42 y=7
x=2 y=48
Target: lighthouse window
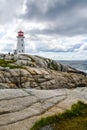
x=22 y=50
x=22 y=44
x=21 y=39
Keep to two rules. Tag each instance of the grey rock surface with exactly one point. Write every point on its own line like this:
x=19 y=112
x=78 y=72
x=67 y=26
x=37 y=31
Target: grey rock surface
x=27 y=71
x=21 y=108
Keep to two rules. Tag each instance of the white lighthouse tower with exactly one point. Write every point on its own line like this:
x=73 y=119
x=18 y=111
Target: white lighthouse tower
x=20 y=43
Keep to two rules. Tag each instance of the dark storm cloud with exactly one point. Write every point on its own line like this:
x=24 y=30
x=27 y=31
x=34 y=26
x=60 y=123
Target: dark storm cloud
x=66 y=30
x=65 y=17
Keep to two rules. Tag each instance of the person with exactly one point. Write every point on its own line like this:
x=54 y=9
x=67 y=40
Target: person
x=9 y=53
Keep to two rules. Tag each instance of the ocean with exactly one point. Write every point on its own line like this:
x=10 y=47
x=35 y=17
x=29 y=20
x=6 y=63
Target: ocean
x=80 y=65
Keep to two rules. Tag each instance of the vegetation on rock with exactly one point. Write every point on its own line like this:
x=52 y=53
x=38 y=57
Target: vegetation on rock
x=73 y=119
x=8 y=63
x=28 y=71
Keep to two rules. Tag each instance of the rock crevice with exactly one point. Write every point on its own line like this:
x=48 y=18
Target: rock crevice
x=22 y=112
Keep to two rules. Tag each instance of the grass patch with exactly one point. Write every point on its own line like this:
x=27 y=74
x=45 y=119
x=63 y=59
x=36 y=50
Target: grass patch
x=8 y=63
x=77 y=123
x=73 y=119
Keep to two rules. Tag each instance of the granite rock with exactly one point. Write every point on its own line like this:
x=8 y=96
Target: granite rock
x=27 y=71
x=21 y=108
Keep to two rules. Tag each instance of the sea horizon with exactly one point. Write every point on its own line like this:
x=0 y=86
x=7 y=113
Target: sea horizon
x=78 y=64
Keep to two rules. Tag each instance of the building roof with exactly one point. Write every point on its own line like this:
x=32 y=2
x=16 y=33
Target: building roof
x=20 y=31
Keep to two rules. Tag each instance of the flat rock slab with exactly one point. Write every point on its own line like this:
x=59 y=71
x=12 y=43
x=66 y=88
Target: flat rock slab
x=21 y=108
x=12 y=93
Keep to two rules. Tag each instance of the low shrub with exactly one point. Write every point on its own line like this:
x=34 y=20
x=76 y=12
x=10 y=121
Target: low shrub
x=77 y=111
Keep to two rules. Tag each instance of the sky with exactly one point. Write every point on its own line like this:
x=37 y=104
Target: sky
x=55 y=29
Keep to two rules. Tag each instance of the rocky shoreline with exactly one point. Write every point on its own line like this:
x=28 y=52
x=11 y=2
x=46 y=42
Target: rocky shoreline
x=32 y=87
x=28 y=71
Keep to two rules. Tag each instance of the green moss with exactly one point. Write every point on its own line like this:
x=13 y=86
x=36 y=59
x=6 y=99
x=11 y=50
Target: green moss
x=8 y=63
x=73 y=119
x=14 y=66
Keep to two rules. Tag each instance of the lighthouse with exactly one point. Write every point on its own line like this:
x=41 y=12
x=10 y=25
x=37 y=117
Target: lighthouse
x=20 y=42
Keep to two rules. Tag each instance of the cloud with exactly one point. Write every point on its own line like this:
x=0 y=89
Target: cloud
x=51 y=27
x=40 y=43
x=10 y=10
x=58 y=48
x=66 y=17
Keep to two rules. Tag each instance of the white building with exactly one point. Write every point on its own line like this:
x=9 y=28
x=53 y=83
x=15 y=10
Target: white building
x=20 y=43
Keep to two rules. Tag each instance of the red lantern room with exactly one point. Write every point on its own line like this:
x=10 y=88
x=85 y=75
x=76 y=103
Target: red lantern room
x=20 y=34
